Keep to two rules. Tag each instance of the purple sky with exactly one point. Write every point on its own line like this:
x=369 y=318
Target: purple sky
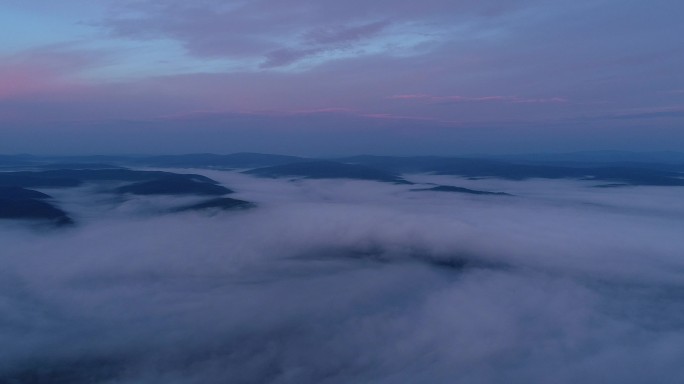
x=341 y=77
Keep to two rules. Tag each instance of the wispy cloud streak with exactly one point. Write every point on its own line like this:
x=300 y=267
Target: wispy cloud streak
x=477 y=99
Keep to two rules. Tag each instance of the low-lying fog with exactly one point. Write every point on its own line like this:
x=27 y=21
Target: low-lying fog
x=341 y=281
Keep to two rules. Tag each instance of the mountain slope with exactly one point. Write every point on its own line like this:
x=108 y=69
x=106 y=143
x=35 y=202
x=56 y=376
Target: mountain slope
x=327 y=170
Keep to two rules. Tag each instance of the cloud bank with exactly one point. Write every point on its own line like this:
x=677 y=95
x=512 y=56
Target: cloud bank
x=331 y=281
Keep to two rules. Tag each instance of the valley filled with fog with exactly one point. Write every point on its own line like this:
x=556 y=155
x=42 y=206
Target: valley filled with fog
x=341 y=192
x=343 y=280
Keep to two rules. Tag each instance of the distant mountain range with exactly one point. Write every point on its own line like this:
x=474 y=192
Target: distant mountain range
x=236 y=160
x=328 y=170
x=17 y=201
x=649 y=168
x=21 y=174
x=616 y=167
x=653 y=174
x=662 y=157
x=448 y=188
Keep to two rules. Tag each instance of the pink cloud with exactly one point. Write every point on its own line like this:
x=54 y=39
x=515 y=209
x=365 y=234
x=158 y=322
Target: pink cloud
x=477 y=99
x=43 y=71
x=210 y=114
x=416 y=96
x=323 y=110
x=399 y=118
x=18 y=81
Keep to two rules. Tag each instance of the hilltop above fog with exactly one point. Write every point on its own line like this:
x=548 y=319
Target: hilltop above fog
x=121 y=175
x=354 y=270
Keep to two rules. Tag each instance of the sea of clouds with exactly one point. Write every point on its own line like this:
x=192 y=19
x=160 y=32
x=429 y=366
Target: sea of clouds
x=342 y=281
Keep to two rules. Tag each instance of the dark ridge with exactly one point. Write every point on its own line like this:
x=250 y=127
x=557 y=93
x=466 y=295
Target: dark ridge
x=637 y=176
x=173 y=186
x=235 y=160
x=21 y=193
x=78 y=166
x=600 y=157
x=16 y=160
x=463 y=166
x=82 y=371
x=472 y=167
x=36 y=180
x=462 y=263
x=448 y=188
x=615 y=185
x=327 y=170
x=657 y=168
x=98 y=159
x=76 y=177
x=396 y=164
x=377 y=253
x=62 y=162
x=652 y=166
x=32 y=209
x=221 y=203
x=121 y=174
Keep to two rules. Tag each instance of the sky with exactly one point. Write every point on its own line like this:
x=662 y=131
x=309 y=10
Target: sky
x=331 y=77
